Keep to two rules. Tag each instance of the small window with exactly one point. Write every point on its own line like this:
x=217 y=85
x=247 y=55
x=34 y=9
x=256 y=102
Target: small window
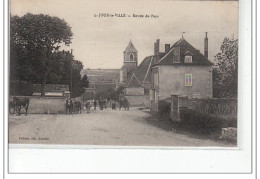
x=131 y=57
x=188 y=79
x=188 y=59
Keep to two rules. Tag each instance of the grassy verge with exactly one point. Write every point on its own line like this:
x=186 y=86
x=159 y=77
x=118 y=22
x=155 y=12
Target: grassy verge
x=193 y=125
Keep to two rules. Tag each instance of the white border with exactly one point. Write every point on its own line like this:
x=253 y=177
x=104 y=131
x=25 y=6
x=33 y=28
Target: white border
x=149 y=160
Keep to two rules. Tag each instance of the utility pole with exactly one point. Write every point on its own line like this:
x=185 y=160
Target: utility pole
x=71 y=73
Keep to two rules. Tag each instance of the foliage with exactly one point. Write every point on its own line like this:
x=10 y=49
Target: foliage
x=195 y=121
x=108 y=94
x=34 y=52
x=77 y=88
x=225 y=71
x=84 y=81
x=33 y=41
x=164 y=108
x=88 y=95
x=111 y=94
x=21 y=88
x=119 y=92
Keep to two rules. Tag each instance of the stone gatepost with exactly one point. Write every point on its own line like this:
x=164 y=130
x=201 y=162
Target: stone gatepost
x=175 y=112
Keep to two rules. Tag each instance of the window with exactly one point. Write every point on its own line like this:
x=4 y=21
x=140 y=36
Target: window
x=188 y=59
x=156 y=79
x=188 y=79
x=131 y=57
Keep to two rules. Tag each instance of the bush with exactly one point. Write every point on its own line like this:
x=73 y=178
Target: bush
x=21 y=88
x=194 y=120
x=232 y=123
x=164 y=108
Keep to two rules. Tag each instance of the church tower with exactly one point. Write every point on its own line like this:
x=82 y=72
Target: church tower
x=130 y=62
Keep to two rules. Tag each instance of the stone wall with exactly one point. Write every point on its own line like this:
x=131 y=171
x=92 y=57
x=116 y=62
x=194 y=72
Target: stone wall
x=134 y=91
x=134 y=101
x=229 y=134
x=225 y=108
x=45 y=105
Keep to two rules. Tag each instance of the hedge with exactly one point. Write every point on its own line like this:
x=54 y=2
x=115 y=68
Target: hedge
x=21 y=88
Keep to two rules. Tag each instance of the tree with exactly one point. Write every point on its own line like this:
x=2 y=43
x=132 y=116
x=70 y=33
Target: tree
x=225 y=70
x=33 y=41
x=66 y=70
x=77 y=89
x=84 y=81
x=111 y=94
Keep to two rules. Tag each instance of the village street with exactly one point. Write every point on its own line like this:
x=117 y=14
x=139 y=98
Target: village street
x=105 y=127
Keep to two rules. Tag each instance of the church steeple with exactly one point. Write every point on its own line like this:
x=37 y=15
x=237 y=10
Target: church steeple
x=130 y=61
x=130 y=53
x=130 y=47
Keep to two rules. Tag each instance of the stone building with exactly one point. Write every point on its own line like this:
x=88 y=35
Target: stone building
x=139 y=84
x=102 y=80
x=184 y=71
x=130 y=63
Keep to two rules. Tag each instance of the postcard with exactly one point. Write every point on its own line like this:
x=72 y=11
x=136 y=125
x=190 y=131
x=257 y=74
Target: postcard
x=124 y=73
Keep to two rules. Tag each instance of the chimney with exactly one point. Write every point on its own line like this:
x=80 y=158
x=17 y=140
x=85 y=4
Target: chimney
x=155 y=48
x=167 y=47
x=158 y=49
x=206 y=46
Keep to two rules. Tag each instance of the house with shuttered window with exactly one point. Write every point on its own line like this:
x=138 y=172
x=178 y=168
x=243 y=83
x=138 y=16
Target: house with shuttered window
x=183 y=71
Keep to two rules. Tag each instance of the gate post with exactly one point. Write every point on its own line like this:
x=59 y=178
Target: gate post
x=175 y=112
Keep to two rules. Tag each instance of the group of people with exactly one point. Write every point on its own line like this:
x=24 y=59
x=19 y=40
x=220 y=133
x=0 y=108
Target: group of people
x=101 y=103
x=113 y=104
x=72 y=108
x=121 y=103
x=76 y=106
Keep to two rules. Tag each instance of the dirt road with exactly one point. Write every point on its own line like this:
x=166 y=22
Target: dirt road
x=105 y=127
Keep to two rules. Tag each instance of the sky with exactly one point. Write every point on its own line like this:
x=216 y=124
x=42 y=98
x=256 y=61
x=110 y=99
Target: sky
x=99 y=42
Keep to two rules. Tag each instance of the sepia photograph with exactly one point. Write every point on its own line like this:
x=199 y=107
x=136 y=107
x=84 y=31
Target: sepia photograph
x=123 y=73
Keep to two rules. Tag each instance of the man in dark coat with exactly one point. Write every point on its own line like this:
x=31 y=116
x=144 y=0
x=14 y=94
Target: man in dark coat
x=95 y=104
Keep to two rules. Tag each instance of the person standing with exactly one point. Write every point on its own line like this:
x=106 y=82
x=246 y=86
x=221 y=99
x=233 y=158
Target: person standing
x=88 y=107
x=105 y=103
x=71 y=107
x=112 y=104
x=101 y=104
x=95 y=104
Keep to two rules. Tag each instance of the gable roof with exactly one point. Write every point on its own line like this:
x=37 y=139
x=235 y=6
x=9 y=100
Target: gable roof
x=134 y=82
x=130 y=47
x=185 y=47
x=101 y=75
x=143 y=71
